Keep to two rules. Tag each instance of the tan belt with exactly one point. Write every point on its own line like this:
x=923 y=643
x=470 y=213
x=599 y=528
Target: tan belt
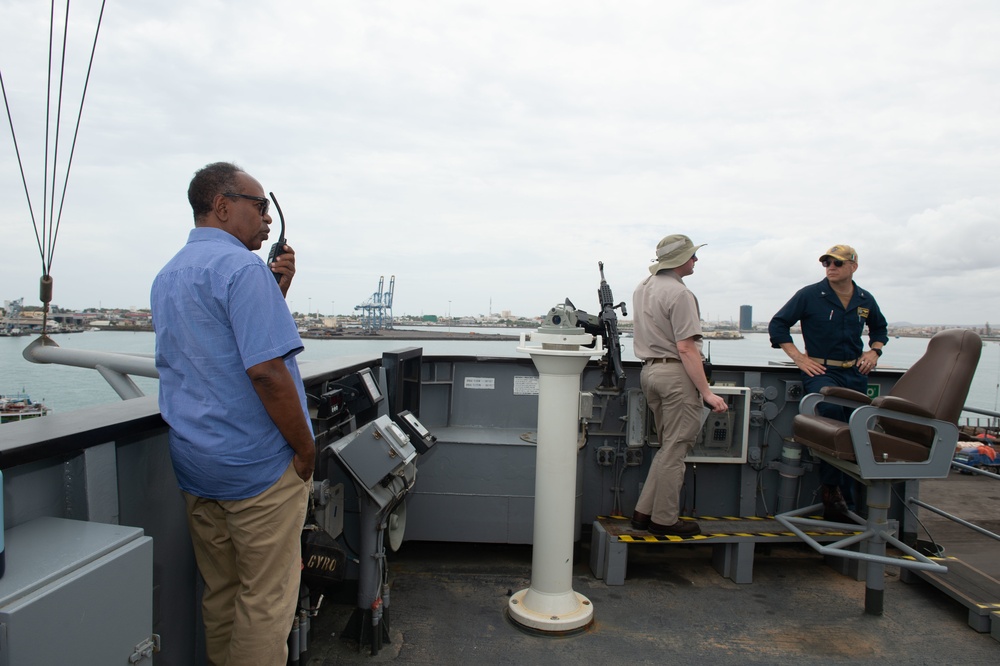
x=662 y=360
x=835 y=363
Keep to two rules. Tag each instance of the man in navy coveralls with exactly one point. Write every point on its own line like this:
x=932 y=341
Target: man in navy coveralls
x=833 y=314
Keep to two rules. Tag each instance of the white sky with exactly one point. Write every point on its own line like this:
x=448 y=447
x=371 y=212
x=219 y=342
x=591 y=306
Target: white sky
x=493 y=152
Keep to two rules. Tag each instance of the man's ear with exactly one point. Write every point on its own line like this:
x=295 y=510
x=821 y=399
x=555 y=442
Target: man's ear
x=220 y=207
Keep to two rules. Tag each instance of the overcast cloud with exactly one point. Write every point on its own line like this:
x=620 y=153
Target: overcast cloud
x=489 y=154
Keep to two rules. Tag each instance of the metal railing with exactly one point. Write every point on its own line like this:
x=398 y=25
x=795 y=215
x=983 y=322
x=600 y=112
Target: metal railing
x=990 y=423
x=994 y=420
x=115 y=367
x=956 y=519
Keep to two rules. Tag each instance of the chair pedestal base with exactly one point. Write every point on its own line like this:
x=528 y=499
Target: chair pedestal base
x=877 y=525
x=875 y=537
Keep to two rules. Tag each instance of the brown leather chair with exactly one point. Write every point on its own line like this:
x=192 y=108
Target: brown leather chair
x=911 y=433
x=901 y=435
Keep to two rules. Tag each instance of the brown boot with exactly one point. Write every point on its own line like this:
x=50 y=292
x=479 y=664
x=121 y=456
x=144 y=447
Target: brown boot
x=834 y=506
x=640 y=521
x=680 y=528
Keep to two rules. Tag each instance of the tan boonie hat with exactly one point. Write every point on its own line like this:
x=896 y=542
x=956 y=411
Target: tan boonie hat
x=673 y=251
x=842 y=252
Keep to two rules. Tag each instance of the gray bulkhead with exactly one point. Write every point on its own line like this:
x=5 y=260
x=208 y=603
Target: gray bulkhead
x=110 y=464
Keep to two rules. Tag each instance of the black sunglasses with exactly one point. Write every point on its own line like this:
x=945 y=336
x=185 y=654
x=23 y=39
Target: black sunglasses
x=263 y=204
x=836 y=262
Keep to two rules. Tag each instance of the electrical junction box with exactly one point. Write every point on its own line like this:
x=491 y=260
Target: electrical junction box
x=380 y=457
x=76 y=592
x=635 y=435
x=586 y=406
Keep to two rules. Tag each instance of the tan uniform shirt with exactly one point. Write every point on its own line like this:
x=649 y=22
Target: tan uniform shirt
x=664 y=311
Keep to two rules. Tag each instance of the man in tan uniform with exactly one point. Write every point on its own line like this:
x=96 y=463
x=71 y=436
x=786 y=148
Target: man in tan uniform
x=668 y=341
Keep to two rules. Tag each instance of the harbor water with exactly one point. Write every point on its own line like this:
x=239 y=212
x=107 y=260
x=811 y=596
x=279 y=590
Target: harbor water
x=65 y=389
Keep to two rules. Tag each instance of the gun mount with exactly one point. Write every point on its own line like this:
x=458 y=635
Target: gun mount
x=605 y=325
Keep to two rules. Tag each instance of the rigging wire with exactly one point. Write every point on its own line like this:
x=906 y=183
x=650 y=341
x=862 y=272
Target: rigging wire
x=76 y=129
x=46 y=238
x=20 y=164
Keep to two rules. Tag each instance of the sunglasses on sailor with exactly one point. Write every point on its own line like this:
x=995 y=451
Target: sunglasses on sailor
x=263 y=203
x=836 y=262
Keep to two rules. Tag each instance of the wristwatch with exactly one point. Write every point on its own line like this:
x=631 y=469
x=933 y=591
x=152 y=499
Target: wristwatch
x=878 y=351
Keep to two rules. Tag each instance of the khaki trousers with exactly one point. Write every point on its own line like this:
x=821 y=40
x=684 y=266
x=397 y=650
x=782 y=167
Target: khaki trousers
x=249 y=555
x=677 y=407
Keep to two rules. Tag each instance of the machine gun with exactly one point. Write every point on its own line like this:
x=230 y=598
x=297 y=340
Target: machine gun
x=606 y=326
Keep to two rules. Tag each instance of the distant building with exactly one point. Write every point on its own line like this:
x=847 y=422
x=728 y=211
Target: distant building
x=746 y=318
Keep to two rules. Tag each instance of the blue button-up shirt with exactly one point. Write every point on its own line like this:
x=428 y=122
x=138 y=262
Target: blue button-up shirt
x=829 y=329
x=217 y=311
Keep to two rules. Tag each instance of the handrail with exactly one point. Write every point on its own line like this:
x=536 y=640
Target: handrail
x=115 y=367
x=969 y=469
x=992 y=423
x=955 y=519
x=985 y=412
x=945 y=514
x=45 y=350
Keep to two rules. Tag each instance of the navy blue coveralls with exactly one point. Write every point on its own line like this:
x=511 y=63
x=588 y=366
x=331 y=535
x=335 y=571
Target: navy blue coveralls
x=831 y=332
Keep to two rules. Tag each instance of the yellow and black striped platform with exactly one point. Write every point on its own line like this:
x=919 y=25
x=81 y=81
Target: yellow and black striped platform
x=733 y=540
x=713 y=528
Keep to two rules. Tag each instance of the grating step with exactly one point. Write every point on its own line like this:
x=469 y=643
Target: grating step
x=977 y=591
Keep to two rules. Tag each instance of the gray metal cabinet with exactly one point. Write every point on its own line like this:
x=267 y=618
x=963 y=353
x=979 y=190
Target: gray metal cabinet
x=76 y=592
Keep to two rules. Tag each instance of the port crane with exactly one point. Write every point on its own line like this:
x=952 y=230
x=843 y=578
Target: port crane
x=376 y=311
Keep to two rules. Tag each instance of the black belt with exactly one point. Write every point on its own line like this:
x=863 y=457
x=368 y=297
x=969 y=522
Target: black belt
x=662 y=360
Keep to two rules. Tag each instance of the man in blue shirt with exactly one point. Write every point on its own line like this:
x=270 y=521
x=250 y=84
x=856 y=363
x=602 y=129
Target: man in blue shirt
x=833 y=313
x=241 y=442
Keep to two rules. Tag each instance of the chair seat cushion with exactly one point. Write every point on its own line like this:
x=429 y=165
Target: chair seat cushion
x=826 y=435
x=833 y=438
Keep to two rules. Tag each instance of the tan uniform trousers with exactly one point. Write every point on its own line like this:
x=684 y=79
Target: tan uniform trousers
x=249 y=555
x=677 y=408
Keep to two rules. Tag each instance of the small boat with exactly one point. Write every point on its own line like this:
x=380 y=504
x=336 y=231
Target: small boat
x=19 y=406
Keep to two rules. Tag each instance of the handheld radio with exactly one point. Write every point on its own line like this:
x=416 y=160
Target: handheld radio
x=276 y=248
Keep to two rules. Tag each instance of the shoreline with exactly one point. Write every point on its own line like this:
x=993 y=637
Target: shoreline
x=433 y=333
x=394 y=334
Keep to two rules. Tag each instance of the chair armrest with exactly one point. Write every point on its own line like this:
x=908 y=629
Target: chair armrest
x=832 y=395
x=846 y=394
x=939 y=457
x=897 y=404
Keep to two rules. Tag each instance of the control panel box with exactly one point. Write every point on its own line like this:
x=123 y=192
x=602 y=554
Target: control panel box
x=723 y=437
x=379 y=456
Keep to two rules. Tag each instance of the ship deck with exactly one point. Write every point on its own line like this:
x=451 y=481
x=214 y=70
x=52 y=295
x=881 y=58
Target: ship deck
x=448 y=602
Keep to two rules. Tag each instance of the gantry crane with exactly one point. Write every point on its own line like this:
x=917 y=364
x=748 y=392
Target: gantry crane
x=376 y=312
